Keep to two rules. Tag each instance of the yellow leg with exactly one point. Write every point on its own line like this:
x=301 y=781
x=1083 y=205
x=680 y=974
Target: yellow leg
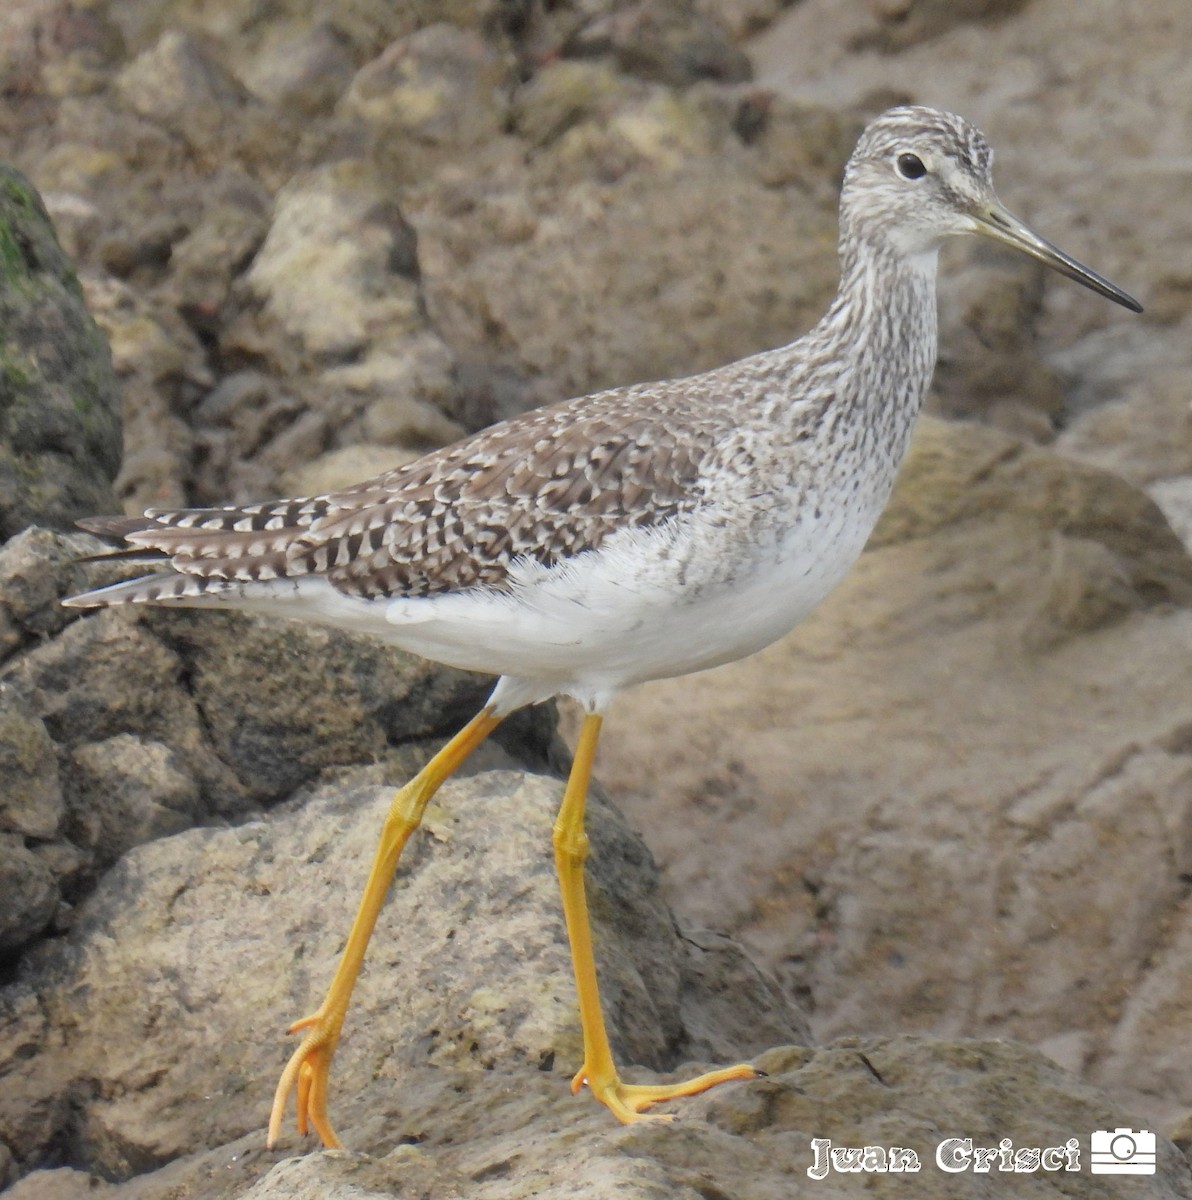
x=625 y=1100
x=308 y=1068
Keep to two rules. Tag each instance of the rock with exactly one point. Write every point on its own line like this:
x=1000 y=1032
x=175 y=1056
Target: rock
x=1141 y=1052
x=1117 y=551
x=60 y=414
x=769 y=263
x=797 y=144
x=565 y=93
x=182 y=84
x=155 y=355
x=330 y=271
x=137 y=762
x=674 y=42
x=282 y=700
x=343 y=467
x=1174 y=497
x=63 y=1183
x=440 y=87
x=752 y=1140
x=30 y=894
x=37 y=568
x=244 y=419
x=84 y=48
x=213 y=253
x=1144 y=436
x=991 y=368
x=307 y=71
x=902 y=23
x=127 y=790
x=409 y=389
x=195 y=950
x=31 y=801
x=740 y=18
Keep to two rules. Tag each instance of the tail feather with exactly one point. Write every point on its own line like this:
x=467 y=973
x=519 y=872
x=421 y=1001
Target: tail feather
x=134 y=554
x=183 y=590
x=114 y=528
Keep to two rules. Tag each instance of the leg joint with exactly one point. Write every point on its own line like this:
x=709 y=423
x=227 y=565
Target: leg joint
x=570 y=844
x=405 y=812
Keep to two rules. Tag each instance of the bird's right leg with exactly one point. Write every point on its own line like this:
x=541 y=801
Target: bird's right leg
x=309 y=1065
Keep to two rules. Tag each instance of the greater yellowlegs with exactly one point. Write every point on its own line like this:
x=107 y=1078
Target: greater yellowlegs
x=634 y=534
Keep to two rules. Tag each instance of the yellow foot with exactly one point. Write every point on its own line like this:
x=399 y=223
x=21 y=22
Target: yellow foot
x=627 y=1100
x=306 y=1074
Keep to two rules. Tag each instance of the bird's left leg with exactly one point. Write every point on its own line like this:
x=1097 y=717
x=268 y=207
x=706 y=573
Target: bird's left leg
x=625 y=1100
x=309 y=1066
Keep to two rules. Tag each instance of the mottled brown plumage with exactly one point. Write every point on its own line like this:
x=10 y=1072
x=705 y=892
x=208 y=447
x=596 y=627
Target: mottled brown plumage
x=546 y=486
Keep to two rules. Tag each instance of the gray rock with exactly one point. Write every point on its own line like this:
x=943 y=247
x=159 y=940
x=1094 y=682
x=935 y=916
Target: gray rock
x=750 y=1141
x=992 y=369
x=37 y=568
x=29 y=891
x=673 y=42
x=307 y=71
x=901 y=23
x=125 y=791
x=1119 y=553
x=282 y=700
x=181 y=83
x=769 y=259
x=30 y=792
x=441 y=87
x=59 y=408
x=158 y=359
x=196 y=950
x=63 y=1183
x=1144 y=436
x=215 y=250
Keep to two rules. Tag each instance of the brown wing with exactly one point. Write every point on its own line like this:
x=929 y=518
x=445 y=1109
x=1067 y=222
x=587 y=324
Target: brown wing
x=547 y=485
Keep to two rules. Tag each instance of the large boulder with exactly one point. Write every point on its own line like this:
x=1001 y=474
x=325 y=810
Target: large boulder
x=59 y=405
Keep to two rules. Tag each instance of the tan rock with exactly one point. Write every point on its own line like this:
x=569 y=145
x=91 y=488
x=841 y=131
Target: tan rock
x=324 y=271
x=441 y=86
x=196 y=950
x=343 y=467
x=182 y=83
x=31 y=798
x=748 y=1140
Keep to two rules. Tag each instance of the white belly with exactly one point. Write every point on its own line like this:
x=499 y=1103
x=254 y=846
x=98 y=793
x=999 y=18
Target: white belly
x=640 y=608
x=649 y=604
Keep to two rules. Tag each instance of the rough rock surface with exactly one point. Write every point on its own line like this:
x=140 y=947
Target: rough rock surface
x=59 y=408
x=196 y=950
x=743 y=1140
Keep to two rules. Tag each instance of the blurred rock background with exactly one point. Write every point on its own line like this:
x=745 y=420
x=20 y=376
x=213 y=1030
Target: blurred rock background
x=957 y=803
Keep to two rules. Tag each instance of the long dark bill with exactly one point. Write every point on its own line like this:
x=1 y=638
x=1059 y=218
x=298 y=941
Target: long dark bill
x=999 y=223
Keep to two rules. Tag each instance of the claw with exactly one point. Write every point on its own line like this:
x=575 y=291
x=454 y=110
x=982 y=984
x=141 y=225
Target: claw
x=626 y=1101
x=306 y=1075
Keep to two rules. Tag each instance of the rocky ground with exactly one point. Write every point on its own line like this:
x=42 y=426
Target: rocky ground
x=947 y=824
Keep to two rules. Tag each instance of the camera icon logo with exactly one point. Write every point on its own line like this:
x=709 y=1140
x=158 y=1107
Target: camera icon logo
x=1122 y=1152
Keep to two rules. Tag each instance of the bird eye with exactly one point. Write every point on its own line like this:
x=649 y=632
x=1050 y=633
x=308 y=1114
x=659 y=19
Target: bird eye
x=910 y=166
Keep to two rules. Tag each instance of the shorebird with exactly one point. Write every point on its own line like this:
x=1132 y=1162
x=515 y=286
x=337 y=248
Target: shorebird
x=634 y=534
